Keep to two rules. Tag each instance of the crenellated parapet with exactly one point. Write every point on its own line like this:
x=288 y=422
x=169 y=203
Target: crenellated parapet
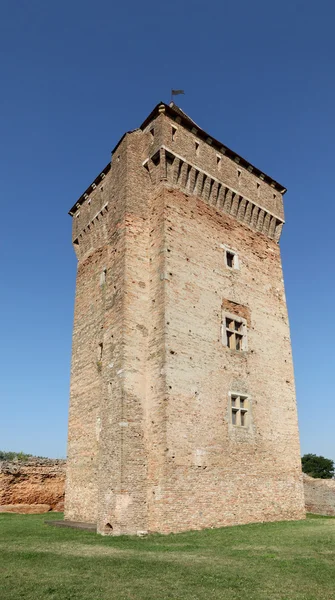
x=167 y=166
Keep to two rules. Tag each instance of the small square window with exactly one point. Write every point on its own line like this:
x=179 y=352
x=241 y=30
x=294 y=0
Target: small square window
x=231 y=259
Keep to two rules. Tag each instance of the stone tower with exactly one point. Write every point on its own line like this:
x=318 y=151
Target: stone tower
x=182 y=410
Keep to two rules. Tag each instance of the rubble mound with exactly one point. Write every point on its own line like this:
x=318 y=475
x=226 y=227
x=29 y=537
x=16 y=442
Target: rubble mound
x=32 y=482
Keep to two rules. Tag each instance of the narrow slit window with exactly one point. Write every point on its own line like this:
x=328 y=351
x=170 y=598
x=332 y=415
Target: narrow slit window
x=197 y=148
x=230 y=260
x=230 y=340
x=173 y=133
x=103 y=277
x=238 y=342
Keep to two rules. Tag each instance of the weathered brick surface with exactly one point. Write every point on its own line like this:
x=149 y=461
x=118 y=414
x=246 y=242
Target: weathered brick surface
x=319 y=496
x=32 y=482
x=151 y=443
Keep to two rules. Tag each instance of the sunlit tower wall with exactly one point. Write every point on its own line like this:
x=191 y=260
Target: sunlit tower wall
x=182 y=401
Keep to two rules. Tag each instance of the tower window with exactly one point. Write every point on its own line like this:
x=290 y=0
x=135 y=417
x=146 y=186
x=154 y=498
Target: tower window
x=234 y=333
x=239 y=410
x=173 y=132
x=197 y=148
x=103 y=277
x=231 y=259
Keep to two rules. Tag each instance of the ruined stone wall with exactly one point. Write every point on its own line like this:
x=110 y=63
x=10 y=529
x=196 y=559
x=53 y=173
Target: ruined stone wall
x=31 y=482
x=319 y=495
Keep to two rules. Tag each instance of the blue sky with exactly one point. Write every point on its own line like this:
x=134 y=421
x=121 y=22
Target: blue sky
x=74 y=76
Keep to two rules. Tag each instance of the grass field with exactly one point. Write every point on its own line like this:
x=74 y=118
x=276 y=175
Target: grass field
x=279 y=561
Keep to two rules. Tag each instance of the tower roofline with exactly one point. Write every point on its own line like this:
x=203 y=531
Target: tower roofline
x=94 y=183
x=176 y=113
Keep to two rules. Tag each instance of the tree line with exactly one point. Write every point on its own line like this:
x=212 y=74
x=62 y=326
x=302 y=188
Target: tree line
x=16 y=456
x=315 y=466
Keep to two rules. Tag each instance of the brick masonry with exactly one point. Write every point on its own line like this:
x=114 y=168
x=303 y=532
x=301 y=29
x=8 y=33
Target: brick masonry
x=319 y=496
x=151 y=442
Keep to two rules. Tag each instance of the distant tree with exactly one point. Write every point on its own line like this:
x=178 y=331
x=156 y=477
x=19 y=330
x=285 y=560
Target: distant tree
x=318 y=466
x=14 y=455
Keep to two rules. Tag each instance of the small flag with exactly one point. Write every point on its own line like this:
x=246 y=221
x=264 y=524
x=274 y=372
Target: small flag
x=177 y=92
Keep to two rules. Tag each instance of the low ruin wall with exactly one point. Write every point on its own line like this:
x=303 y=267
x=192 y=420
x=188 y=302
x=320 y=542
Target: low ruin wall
x=319 y=496
x=30 y=483
x=37 y=485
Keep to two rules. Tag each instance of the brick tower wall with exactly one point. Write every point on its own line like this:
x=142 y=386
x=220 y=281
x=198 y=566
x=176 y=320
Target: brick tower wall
x=215 y=473
x=86 y=382
x=151 y=443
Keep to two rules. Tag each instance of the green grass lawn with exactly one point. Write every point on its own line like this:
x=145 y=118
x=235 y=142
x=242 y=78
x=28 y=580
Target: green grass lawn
x=279 y=561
